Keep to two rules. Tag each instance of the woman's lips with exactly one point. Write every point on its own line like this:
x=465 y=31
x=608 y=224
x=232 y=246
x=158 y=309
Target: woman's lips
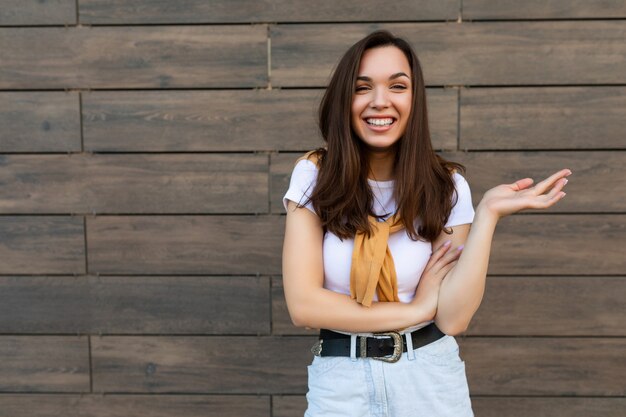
x=376 y=128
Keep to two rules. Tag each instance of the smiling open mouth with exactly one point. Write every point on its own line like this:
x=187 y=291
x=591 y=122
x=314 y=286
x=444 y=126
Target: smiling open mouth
x=386 y=121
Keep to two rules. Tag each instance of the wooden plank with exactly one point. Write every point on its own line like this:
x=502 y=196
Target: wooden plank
x=245 y=11
x=38 y=12
x=204 y=120
x=544 y=366
x=199 y=121
x=42 y=244
x=514 y=366
x=593 y=173
x=542 y=9
x=523 y=306
x=111 y=405
x=543 y=118
x=145 y=305
x=481 y=53
x=548 y=407
x=134 y=57
x=281 y=322
x=63 y=304
x=540 y=244
x=39 y=122
x=44 y=363
x=175 y=305
x=295 y=405
x=228 y=365
x=559 y=244
x=552 y=306
x=185 y=244
x=174 y=183
x=288 y=405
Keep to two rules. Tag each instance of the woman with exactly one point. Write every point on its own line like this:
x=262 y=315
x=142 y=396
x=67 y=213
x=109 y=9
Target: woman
x=378 y=252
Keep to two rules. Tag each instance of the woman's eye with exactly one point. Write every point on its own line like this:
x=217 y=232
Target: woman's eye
x=360 y=88
x=399 y=86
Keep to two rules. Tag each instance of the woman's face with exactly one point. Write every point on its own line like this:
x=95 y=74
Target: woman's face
x=381 y=104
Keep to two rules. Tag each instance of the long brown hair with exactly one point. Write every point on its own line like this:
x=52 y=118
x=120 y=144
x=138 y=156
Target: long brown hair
x=423 y=186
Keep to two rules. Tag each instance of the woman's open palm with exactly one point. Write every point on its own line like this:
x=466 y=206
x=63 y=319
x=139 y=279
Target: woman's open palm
x=507 y=199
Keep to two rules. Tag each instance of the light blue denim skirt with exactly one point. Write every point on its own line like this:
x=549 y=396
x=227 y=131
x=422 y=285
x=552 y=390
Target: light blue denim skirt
x=429 y=381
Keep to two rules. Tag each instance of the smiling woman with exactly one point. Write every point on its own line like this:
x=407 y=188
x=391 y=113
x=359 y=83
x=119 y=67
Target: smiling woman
x=371 y=222
x=381 y=106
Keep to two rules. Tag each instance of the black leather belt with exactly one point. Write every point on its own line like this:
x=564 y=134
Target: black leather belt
x=379 y=346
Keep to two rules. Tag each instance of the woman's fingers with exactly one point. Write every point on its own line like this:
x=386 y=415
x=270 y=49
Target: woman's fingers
x=437 y=254
x=544 y=185
x=449 y=257
x=444 y=271
x=547 y=200
x=522 y=184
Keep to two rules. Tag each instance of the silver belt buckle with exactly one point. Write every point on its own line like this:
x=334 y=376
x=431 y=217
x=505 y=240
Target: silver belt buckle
x=397 y=347
x=317 y=348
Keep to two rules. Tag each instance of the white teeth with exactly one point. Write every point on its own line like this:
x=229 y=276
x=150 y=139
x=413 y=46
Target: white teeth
x=380 y=122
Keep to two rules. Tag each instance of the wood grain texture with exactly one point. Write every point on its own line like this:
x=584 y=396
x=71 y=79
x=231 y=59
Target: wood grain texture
x=295 y=405
x=538 y=9
x=481 y=53
x=552 y=306
x=544 y=366
x=196 y=245
x=112 y=405
x=44 y=364
x=226 y=120
x=559 y=244
x=543 y=118
x=38 y=12
x=145 y=305
x=42 y=245
x=174 y=183
x=201 y=121
x=593 y=174
x=233 y=365
x=134 y=57
x=224 y=11
x=524 y=306
x=39 y=122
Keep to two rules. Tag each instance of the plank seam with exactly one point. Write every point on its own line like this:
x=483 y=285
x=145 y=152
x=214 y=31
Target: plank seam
x=90 y=364
x=80 y=121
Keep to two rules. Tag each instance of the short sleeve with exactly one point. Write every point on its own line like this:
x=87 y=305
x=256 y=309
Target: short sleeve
x=302 y=184
x=462 y=211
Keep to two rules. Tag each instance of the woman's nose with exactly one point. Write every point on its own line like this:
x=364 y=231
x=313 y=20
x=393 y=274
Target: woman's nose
x=380 y=98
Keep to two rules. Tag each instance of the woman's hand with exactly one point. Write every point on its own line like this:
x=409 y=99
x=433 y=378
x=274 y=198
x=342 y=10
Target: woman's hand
x=441 y=261
x=507 y=199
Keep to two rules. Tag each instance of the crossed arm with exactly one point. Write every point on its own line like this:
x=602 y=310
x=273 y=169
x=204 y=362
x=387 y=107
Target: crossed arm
x=462 y=288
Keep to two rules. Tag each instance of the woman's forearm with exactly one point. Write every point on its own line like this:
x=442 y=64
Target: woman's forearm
x=463 y=287
x=326 y=309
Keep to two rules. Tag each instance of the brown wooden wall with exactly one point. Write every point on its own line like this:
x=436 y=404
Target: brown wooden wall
x=145 y=146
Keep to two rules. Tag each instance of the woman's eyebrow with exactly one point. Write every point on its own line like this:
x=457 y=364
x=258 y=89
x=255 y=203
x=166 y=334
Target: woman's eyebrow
x=393 y=76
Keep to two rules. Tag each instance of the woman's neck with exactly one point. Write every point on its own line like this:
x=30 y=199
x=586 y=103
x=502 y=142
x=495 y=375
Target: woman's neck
x=381 y=164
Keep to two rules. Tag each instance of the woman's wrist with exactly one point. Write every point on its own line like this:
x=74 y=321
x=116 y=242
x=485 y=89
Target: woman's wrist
x=484 y=212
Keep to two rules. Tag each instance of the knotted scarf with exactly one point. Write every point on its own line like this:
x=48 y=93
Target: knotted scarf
x=372 y=269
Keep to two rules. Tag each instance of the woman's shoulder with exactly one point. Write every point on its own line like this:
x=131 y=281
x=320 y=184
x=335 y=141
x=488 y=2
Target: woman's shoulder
x=310 y=160
x=313 y=156
x=456 y=175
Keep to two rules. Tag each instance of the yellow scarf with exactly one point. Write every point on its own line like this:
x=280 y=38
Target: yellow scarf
x=372 y=268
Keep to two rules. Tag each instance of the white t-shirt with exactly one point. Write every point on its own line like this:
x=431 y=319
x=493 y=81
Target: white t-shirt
x=410 y=257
